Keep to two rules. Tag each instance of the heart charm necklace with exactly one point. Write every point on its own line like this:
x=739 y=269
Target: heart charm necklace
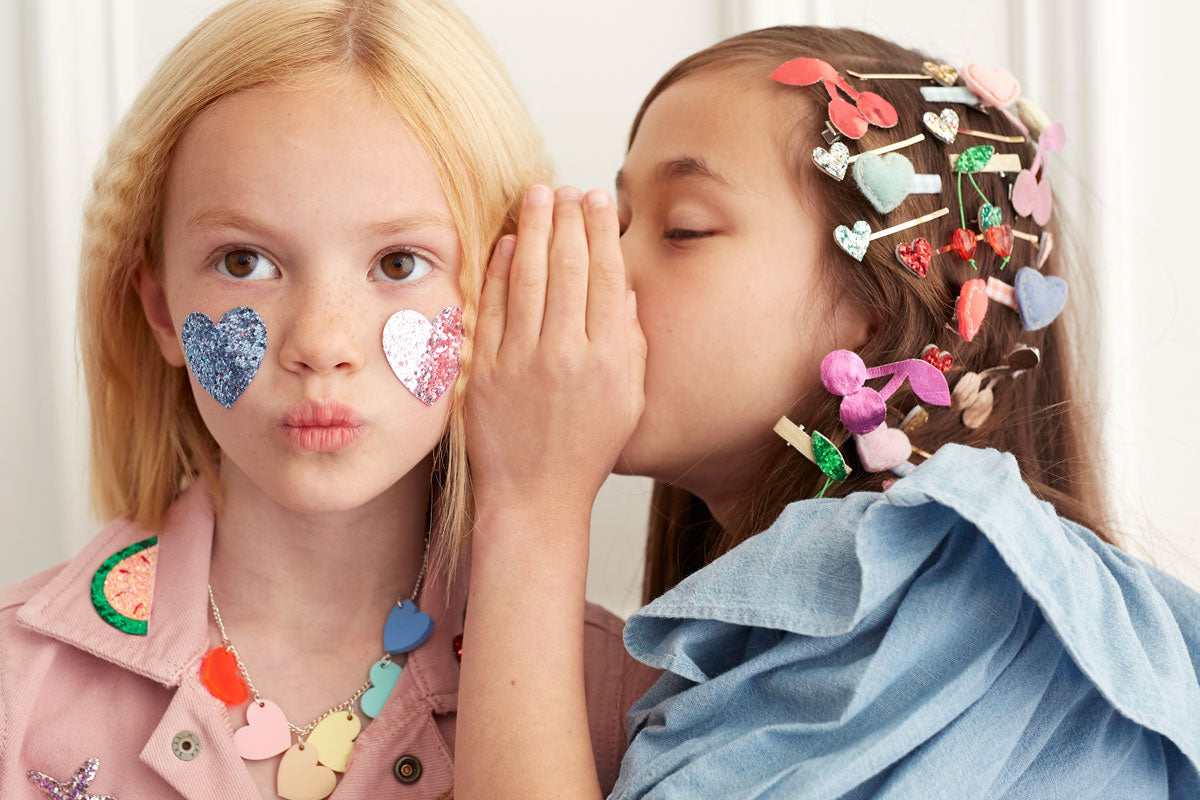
x=308 y=769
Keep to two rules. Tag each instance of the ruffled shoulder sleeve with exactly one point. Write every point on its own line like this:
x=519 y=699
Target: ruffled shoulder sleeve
x=950 y=637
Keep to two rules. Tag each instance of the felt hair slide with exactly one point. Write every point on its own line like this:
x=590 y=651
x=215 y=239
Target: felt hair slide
x=995 y=87
x=973 y=399
x=888 y=179
x=863 y=410
x=856 y=240
x=1039 y=299
x=834 y=161
x=851 y=119
x=816 y=448
x=1031 y=196
x=944 y=74
x=945 y=126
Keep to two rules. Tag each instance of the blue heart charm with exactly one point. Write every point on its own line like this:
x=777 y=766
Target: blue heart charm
x=225 y=356
x=1040 y=299
x=384 y=675
x=885 y=180
x=406 y=628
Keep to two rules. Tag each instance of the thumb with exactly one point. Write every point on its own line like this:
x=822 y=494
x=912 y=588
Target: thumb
x=637 y=355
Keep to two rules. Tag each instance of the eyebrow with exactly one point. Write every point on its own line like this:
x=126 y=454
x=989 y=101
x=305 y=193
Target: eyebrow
x=683 y=167
x=230 y=218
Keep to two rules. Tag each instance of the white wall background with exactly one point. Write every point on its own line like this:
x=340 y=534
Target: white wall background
x=1113 y=72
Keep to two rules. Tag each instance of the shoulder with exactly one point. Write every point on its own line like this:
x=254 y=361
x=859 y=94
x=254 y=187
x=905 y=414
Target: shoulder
x=991 y=611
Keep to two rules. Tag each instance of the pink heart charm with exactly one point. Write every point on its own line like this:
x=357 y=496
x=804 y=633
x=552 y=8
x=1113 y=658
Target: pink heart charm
x=265 y=733
x=423 y=354
x=996 y=86
x=883 y=448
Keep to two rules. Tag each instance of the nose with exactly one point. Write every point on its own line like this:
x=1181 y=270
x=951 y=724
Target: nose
x=321 y=332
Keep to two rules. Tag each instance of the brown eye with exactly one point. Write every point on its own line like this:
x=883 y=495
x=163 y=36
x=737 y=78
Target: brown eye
x=244 y=264
x=402 y=265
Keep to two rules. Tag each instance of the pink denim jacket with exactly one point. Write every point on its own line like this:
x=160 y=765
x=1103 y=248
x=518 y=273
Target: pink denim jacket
x=73 y=687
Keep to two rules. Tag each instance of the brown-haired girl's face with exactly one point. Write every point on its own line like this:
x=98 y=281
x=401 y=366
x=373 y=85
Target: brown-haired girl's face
x=319 y=209
x=723 y=256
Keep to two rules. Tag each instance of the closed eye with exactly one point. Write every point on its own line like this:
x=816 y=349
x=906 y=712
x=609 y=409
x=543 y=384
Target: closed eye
x=685 y=233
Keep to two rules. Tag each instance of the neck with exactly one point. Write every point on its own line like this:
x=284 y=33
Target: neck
x=321 y=580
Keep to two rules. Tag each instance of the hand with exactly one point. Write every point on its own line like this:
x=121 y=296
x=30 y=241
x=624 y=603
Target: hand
x=556 y=382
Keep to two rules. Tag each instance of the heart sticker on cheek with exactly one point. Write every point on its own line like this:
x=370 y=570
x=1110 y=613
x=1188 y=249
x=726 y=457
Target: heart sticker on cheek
x=225 y=356
x=423 y=354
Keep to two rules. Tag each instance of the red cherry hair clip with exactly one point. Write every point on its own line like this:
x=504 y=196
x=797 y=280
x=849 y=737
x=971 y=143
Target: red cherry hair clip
x=851 y=119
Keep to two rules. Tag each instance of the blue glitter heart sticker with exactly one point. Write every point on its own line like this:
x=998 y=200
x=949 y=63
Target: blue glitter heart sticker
x=225 y=356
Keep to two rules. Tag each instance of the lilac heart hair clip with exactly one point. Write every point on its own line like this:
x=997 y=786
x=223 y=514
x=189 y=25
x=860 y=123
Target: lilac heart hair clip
x=864 y=410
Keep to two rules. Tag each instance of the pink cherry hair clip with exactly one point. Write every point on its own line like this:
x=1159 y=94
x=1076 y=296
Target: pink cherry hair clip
x=1031 y=195
x=850 y=119
x=864 y=410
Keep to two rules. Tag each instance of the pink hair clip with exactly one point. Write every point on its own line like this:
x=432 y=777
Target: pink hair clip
x=863 y=409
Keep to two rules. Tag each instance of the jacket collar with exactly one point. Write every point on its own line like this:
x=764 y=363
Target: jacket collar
x=177 y=634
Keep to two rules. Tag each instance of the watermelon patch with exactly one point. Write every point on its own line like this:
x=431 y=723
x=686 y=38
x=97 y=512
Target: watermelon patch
x=123 y=587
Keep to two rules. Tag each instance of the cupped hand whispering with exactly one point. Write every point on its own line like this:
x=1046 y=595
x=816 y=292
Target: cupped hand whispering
x=556 y=383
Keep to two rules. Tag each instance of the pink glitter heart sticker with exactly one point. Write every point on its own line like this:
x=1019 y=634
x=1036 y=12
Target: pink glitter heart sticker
x=423 y=354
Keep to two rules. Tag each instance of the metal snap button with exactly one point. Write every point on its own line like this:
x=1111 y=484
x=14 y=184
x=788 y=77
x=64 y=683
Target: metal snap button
x=185 y=745
x=407 y=769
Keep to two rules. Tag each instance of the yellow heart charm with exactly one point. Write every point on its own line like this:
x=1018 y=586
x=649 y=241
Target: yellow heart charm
x=301 y=778
x=944 y=74
x=333 y=738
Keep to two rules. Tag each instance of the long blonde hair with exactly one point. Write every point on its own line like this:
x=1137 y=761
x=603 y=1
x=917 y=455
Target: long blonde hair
x=426 y=60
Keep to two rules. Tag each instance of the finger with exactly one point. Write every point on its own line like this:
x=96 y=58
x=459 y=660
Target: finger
x=493 y=300
x=527 y=277
x=567 y=283
x=606 y=269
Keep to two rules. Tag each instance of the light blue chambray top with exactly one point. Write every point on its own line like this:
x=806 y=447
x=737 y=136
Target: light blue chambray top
x=951 y=637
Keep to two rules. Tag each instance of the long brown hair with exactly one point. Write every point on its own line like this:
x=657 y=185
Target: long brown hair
x=1037 y=416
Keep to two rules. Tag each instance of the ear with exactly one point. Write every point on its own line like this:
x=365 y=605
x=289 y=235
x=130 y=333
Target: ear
x=154 y=305
x=853 y=325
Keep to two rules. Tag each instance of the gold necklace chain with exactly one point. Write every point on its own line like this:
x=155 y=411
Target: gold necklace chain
x=345 y=705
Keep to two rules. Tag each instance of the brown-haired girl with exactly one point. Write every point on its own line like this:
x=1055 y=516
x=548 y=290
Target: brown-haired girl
x=951 y=619
x=282 y=257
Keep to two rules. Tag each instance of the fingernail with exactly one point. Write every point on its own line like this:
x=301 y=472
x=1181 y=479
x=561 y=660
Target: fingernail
x=631 y=302
x=568 y=193
x=507 y=245
x=597 y=198
x=538 y=195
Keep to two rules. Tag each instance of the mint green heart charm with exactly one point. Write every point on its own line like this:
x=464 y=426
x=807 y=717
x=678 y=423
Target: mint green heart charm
x=384 y=675
x=853 y=241
x=989 y=217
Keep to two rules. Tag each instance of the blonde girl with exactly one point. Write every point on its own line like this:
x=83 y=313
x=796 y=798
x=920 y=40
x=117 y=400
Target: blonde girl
x=280 y=272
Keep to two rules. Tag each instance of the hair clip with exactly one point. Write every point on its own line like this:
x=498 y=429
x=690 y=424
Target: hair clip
x=962 y=240
x=999 y=162
x=856 y=240
x=941 y=359
x=945 y=127
x=995 y=87
x=886 y=180
x=1033 y=196
x=862 y=408
x=852 y=120
x=1000 y=238
x=817 y=449
x=973 y=402
x=950 y=94
x=1039 y=299
x=833 y=162
x=944 y=74
x=1032 y=115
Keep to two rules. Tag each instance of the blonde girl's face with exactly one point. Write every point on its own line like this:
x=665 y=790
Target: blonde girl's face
x=722 y=254
x=317 y=208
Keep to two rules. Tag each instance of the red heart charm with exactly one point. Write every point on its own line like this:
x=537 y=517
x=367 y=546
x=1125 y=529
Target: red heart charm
x=939 y=358
x=219 y=674
x=971 y=307
x=915 y=257
x=1000 y=237
x=964 y=243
